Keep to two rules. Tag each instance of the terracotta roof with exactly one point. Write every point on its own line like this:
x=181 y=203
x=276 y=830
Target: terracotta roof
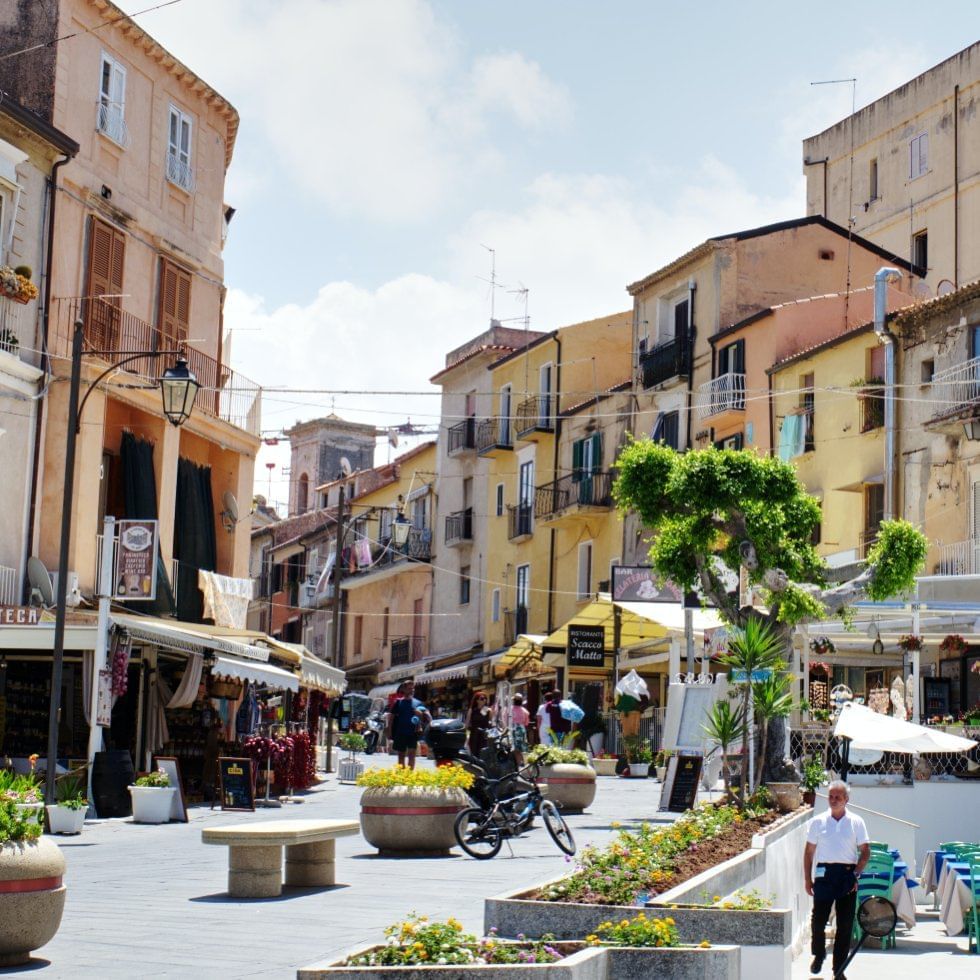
x=938 y=304
x=482 y=349
x=813 y=348
x=595 y=399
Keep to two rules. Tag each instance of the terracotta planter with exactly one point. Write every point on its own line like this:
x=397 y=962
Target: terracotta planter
x=64 y=820
x=604 y=767
x=152 y=804
x=570 y=786
x=32 y=897
x=411 y=819
x=788 y=796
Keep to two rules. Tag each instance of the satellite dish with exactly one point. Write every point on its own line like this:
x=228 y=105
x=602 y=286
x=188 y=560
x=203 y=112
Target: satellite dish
x=231 y=504
x=345 y=467
x=40 y=579
x=921 y=291
x=944 y=288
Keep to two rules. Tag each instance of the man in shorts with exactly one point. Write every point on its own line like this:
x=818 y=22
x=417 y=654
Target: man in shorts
x=407 y=719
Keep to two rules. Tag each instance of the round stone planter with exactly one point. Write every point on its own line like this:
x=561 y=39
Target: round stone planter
x=570 y=786
x=411 y=819
x=64 y=820
x=788 y=796
x=604 y=767
x=32 y=897
x=152 y=804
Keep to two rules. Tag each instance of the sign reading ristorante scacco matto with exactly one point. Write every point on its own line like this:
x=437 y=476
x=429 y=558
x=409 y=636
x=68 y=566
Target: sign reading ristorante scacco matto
x=586 y=646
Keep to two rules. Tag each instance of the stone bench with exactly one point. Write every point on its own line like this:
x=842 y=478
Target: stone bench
x=255 y=855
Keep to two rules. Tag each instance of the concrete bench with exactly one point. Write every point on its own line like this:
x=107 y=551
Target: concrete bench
x=255 y=855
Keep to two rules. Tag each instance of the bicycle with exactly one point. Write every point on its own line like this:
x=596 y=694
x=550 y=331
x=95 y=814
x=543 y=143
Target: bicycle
x=480 y=831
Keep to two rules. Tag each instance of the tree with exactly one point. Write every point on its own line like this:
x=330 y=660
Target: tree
x=717 y=510
x=726 y=726
x=771 y=699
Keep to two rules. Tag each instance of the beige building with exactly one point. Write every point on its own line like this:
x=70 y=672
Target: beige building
x=906 y=171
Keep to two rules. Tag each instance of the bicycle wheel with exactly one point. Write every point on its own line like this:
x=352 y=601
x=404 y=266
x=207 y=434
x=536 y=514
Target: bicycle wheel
x=476 y=834
x=560 y=832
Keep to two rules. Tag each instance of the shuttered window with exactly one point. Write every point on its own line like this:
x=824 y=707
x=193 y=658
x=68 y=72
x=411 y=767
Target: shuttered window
x=175 y=306
x=586 y=456
x=106 y=260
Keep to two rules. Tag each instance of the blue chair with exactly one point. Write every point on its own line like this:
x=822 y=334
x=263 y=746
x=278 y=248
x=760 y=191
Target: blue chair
x=973 y=912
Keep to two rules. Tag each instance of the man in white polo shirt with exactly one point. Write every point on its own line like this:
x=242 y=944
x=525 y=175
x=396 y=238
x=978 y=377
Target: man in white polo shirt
x=836 y=852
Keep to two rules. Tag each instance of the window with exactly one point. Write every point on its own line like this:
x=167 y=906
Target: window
x=106 y=260
x=928 y=369
x=500 y=500
x=523 y=597
x=873 y=180
x=585 y=570
x=384 y=523
x=111 y=119
x=495 y=606
x=920 y=252
x=174 y=314
x=467 y=492
x=681 y=316
x=505 y=413
x=464 y=585
x=358 y=634
x=302 y=494
x=731 y=359
x=731 y=442
x=525 y=486
x=667 y=429
x=385 y=623
x=544 y=390
x=586 y=456
x=974 y=341
x=179 y=170
x=419 y=513
x=874 y=513
x=918 y=155
x=807 y=403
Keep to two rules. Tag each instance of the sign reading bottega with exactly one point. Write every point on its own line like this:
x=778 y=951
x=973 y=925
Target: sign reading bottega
x=586 y=646
x=136 y=558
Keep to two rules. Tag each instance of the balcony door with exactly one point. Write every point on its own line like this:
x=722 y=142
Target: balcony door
x=523 y=599
x=503 y=422
x=106 y=261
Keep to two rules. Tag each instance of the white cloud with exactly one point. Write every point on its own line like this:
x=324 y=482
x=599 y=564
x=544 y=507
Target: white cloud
x=511 y=83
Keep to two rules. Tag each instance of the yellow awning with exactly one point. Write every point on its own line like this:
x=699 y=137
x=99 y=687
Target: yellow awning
x=526 y=647
x=634 y=628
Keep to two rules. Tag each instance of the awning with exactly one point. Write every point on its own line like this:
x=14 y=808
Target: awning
x=315 y=674
x=670 y=615
x=368 y=667
x=187 y=637
x=250 y=670
x=526 y=647
x=290 y=653
x=868 y=729
x=382 y=691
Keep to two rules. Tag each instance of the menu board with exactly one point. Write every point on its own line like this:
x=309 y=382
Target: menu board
x=237 y=784
x=680 y=788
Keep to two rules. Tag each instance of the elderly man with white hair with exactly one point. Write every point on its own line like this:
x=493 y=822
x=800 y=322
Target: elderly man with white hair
x=836 y=852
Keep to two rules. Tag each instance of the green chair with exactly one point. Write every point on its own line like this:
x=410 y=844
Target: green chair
x=882 y=867
x=878 y=846
x=973 y=912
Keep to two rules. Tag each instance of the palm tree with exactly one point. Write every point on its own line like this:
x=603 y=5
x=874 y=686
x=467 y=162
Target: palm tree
x=770 y=699
x=726 y=726
x=755 y=647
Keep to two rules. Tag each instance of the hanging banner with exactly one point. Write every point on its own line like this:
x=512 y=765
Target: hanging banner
x=136 y=558
x=103 y=709
x=586 y=646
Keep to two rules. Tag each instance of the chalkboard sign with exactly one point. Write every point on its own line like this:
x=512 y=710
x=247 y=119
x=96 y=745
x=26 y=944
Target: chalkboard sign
x=680 y=788
x=237 y=784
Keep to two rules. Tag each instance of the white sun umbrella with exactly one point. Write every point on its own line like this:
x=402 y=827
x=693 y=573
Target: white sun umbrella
x=870 y=730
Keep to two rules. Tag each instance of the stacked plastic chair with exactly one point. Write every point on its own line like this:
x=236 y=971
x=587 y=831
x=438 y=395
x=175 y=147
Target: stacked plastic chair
x=876 y=880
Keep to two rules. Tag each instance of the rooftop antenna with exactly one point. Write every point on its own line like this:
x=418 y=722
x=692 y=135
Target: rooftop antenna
x=524 y=292
x=493 y=279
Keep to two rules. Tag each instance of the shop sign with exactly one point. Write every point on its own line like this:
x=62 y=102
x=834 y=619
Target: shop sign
x=136 y=558
x=586 y=646
x=19 y=616
x=638 y=583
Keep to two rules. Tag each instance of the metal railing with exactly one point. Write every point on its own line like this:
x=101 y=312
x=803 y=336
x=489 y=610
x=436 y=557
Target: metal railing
x=962 y=558
x=459 y=525
x=515 y=623
x=723 y=394
x=418 y=547
x=493 y=434
x=9 y=591
x=179 y=172
x=573 y=490
x=520 y=520
x=872 y=402
x=109 y=121
x=535 y=414
x=957 y=386
x=407 y=649
x=17 y=323
x=224 y=393
x=666 y=361
x=462 y=436
x=866 y=541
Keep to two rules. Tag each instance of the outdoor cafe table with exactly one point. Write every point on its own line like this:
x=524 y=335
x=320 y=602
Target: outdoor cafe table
x=901 y=894
x=954 y=895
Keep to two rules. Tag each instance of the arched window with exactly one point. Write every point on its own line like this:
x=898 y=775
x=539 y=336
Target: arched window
x=302 y=493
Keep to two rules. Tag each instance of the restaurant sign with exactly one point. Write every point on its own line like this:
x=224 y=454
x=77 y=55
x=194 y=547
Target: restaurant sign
x=19 y=616
x=586 y=646
x=136 y=558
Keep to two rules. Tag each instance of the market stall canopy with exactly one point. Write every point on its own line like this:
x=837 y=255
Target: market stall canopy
x=314 y=673
x=670 y=615
x=188 y=637
x=258 y=673
x=868 y=729
x=526 y=647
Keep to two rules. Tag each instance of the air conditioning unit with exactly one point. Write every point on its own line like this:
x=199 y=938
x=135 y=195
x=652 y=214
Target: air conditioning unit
x=73 y=595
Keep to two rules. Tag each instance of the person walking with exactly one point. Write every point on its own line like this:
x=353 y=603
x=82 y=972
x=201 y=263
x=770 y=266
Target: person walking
x=407 y=719
x=520 y=718
x=478 y=720
x=836 y=852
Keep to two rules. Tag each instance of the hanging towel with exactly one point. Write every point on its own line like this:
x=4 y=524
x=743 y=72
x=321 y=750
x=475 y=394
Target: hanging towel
x=362 y=552
x=226 y=599
x=791 y=437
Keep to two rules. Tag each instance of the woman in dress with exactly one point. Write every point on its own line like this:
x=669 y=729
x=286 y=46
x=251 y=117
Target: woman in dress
x=520 y=718
x=478 y=720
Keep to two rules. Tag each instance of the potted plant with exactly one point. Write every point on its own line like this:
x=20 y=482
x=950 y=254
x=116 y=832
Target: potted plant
x=725 y=726
x=660 y=763
x=639 y=756
x=567 y=773
x=592 y=729
x=822 y=645
x=412 y=810
x=32 y=895
x=953 y=645
x=812 y=775
x=350 y=768
x=67 y=815
x=605 y=764
x=910 y=642
x=16 y=285
x=24 y=792
x=152 y=798
x=9 y=341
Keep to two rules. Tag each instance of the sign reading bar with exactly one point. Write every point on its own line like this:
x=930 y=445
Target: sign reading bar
x=586 y=646
x=237 y=784
x=19 y=616
x=136 y=559
x=680 y=788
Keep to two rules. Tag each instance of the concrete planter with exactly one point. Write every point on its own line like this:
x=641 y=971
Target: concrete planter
x=152 y=804
x=604 y=767
x=64 y=820
x=788 y=796
x=571 y=787
x=638 y=770
x=349 y=769
x=32 y=897
x=411 y=819
x=661 y=773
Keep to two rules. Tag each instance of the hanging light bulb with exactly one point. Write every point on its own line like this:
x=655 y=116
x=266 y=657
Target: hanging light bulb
x=877 y=648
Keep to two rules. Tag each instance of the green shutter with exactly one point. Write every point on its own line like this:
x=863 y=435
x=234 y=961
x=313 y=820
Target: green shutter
x=577 y=447
x=596 y=452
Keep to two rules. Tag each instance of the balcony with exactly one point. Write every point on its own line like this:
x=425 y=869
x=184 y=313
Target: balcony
x=956 y=391
x=666 y=361
x=417 y=548
x=17 y=328
x=461 y=437
x=180 y=172
x=112 y=332
x=576 y=496
x=515 y=623
x=534 y=417
x=309 y=598
x=459 y=527
x=872 y=402
x=962 y=558
x=724 y=394
x=493 y=437
x=407 y=649
x=520 y=522
x=9 y=591
x=109 y=121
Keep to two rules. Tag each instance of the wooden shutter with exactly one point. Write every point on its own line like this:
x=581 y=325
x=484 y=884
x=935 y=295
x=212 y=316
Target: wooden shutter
x=596 y=452
x=106 y=262
x=175 y=306
x=577 y=447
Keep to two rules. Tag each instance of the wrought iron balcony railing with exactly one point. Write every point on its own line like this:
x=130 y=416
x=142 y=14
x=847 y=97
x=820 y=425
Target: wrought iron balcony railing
x=407 y=649
x=17 y=328
x=957 y=387
x=493 y=434
x=459 y=526
x=462 y=436
x=962 y=558
x=666 y=361
x=722 y=394
x=872 y=401
x=180 y=172
x=520 y=521
x=8 y=586
x=573 y=490
x=534 y=414
x=109 y=121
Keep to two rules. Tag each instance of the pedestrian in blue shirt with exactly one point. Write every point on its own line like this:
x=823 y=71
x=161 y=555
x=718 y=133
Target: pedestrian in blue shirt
x=407 y=719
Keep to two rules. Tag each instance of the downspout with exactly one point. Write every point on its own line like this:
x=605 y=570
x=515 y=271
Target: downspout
x=956 y=187
x=45 y=359
x=772 y=421
x=882 y=278
x=692 y=287
x=554 y=477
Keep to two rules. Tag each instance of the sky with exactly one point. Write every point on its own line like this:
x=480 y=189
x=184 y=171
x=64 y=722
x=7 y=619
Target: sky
x=385 y=145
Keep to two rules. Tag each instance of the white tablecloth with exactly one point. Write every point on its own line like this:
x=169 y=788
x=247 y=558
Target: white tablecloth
x=904 y=903
x=928 y=879
x=954 y=900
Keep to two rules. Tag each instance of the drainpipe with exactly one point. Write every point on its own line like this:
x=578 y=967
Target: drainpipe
x=956 y=186
x=554 y=476
x=692 y=288
x=882 y=277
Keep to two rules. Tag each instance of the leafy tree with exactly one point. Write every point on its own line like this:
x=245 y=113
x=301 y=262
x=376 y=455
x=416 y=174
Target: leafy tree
x=726 y=726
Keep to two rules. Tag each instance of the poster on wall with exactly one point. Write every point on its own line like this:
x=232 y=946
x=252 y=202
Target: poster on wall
x=586 y=646
x=136 y=556
x=103 y=708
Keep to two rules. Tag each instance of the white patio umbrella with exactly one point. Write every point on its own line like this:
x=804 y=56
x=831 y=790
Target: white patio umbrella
x=870 y=730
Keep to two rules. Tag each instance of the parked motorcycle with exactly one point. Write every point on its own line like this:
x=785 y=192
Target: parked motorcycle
x=374 y=730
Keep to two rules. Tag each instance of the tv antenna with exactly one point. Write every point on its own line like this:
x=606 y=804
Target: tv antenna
x=494 y=284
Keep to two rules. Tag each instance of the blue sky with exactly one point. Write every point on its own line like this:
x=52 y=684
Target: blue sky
x=384 y=141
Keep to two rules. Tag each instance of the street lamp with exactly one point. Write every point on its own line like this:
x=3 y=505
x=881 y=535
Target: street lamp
x=178 y=388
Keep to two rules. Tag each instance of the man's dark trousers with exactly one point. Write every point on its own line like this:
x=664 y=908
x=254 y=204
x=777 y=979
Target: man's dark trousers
x=834 y=890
